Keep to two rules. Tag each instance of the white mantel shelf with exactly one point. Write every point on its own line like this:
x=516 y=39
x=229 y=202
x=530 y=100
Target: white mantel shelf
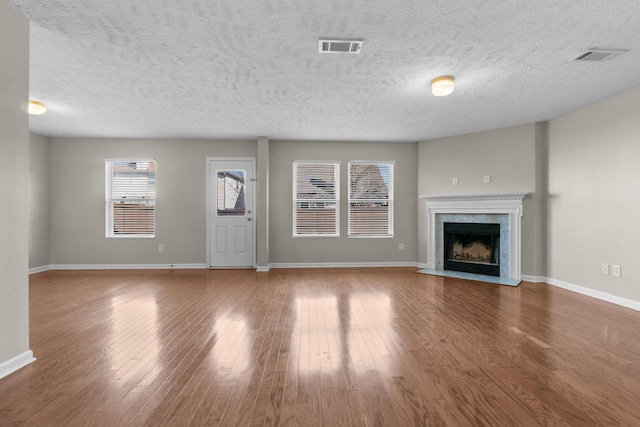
x=499 y=203
x=475 y=197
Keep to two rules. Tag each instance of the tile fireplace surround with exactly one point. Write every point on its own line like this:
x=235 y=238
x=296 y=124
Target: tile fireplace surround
x=504 y=209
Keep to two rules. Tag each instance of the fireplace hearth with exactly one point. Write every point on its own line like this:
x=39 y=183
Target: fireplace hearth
x=472 y=248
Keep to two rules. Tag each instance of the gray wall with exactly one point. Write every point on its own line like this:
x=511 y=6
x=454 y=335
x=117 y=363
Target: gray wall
x=262 y=209
x=285 y=249
x=78 y=205
x=509 y=156
x=39 y=201
x=535 y=227
x=594 y=186
x=14 y=175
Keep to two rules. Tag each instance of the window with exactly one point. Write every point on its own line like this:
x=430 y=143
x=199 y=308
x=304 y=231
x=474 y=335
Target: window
x=230 y=192
x=370 y=199
x=316 y=197
x=130 y=197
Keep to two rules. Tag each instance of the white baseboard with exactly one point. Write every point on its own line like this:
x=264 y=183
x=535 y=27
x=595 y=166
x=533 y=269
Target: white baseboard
x=126 y=266
x=259 y=268
x=422 y=265
x=342 y=264
x=624 y=302
x=40 y=269
x=534 y=279
x=12 y=365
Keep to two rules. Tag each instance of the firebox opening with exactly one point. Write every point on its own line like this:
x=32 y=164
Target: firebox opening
x=472 y=248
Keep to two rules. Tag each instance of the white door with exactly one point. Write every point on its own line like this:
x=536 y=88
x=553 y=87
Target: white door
x=231 y=225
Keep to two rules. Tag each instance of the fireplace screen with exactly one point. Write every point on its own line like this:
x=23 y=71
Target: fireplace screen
x=472 y=248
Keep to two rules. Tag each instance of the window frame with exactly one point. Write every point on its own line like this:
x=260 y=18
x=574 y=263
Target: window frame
x=110 y=200
x=389 y=200
x=336 y=199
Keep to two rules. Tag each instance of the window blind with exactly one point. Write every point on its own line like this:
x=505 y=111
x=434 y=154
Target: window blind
x=316 y=196
x=130 y=197
x=370 y=199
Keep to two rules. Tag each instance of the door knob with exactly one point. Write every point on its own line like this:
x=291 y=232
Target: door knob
x=248 y=219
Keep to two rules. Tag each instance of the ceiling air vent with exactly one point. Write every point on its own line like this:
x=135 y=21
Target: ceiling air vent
x=339 y=46
x=597 y=55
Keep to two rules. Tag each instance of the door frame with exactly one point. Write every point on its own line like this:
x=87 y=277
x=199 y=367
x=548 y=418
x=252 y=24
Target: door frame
x=210 y=211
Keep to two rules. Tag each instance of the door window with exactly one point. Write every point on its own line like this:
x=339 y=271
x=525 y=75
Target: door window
x=230 y=185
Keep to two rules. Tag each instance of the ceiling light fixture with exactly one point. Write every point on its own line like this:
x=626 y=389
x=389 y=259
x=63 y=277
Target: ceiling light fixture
x=442 y=86
x=36 y=107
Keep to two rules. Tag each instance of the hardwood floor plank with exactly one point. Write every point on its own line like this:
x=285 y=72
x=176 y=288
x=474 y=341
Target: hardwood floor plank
x=345 y=347
x=214 y=401
x=261 y=369
x=387 y=415
x=315 y=400
x=274 y=405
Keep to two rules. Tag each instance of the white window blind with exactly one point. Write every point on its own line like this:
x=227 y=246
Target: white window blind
x=316 y=197
x=130 y=197
x=370 y=199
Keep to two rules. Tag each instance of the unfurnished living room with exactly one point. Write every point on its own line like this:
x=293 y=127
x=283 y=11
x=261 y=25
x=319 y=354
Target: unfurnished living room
x=292 y=213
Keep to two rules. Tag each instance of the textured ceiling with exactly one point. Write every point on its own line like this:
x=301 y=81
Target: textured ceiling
x=242 y=69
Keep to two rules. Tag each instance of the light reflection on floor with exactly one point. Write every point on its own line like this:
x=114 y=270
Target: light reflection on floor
x=231 y=351
x=134 y=337
x=329 y=333
x=333 y=332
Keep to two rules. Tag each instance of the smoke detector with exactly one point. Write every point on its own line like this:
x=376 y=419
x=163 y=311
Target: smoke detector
x=598 y=54
x=339 y=46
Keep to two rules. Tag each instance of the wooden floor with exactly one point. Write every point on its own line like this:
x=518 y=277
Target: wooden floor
x=320 y=347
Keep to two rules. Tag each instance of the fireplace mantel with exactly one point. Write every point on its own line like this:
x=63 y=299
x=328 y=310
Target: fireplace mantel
x=502 y=203
x=489 y=199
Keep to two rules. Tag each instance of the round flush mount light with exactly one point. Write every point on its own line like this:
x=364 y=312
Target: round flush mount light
x=442 y=86
x=36 y=107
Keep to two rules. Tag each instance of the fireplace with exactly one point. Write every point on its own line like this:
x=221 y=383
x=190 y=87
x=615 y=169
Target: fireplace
x=502 y=209
x=472 y=248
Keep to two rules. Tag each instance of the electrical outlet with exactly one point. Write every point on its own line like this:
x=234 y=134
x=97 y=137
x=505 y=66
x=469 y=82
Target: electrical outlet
x=401 y=247
x=487 y=179
x=161 y=248
x=605 y=268
x=454 y=181
x=615 y=269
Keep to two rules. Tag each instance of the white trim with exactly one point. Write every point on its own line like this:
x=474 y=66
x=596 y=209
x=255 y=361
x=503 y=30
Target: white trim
x=372 y=162
x=110 y=200
x=253 y=203
x=372 y=236
x=341 y=264
x=129 y=159
x=390 y=200
x=18 y=362
x=27 y=357
x=295 y=200
x=260 y=268
x=127 y=266
x=40 y=269
x=466 y=198
x=311 y=162
x=624 y=302
x=534 y=279
x=507 y=203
